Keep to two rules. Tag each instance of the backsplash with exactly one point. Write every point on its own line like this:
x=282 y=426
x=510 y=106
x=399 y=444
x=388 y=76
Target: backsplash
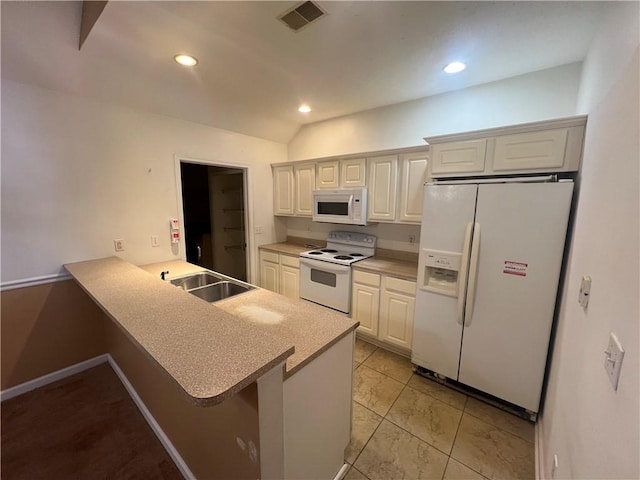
x=391 y=236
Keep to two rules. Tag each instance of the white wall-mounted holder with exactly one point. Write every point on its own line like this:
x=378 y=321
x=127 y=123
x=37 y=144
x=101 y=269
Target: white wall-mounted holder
x=585 y=291
x=613 y=361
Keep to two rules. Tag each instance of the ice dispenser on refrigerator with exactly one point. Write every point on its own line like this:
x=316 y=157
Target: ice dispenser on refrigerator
x=441 y=272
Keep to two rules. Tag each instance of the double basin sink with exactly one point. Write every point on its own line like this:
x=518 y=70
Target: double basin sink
x=209 y=286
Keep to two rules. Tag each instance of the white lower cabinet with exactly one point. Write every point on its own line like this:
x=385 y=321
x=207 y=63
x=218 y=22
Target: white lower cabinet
x=365 y=301
x=289 y=276
x=280 y=273
x=397 y=304
x=384 y=306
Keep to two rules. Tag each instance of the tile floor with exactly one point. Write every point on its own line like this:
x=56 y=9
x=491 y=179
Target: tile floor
x=409 y=427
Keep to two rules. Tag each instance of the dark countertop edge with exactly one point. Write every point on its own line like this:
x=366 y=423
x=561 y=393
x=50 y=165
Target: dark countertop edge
x=327 y=346
x=197 y=401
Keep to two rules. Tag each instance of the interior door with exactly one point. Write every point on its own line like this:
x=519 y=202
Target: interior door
x=522 y=230
x=437 y=333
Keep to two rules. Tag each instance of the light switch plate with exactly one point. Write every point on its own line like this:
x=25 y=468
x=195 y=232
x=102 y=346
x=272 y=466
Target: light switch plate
x=613 y=361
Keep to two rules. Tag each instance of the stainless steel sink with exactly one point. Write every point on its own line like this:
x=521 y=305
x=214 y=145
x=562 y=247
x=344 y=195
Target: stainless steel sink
x=219 y=291
x=195 y=280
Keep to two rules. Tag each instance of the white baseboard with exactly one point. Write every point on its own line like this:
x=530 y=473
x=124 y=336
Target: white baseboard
x=342 y=472
x=52 y=377
x=539 y=451
x=166 y=443
x=92 y=362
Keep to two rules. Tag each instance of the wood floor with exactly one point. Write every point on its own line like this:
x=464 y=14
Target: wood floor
x=85 y=427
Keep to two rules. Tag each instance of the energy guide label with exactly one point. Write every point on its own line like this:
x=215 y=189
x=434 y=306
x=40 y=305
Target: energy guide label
x=515 y=268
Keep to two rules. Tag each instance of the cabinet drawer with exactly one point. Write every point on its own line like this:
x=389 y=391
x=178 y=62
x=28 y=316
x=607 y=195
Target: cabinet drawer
x=366 y=278
x=290 y=261
x=400 y=285
x=269 y=256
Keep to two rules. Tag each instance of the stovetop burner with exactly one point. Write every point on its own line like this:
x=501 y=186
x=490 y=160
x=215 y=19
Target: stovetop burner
x=344 y=248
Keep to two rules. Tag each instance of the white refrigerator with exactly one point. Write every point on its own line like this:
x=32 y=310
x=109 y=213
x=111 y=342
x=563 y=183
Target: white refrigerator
x=489 y=266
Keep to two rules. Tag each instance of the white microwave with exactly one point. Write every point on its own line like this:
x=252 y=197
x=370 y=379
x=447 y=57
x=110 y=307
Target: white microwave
x=340 y=206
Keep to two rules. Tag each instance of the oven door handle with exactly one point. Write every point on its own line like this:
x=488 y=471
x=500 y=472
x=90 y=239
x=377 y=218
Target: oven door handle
x=326 y=266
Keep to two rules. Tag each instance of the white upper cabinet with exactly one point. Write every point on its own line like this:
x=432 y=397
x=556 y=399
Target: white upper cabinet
x=283 y=193
x=328 y=174
x=459 y=157
x=305 y=182
x=541 y=147
x=413 y=168
x=353 y=172
x=530 y=150
x=383 y=183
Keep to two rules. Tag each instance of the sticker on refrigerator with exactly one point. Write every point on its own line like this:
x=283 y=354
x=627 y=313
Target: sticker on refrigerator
x=515 y=268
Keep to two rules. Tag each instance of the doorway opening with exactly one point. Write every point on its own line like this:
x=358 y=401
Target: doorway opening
x=214 y=200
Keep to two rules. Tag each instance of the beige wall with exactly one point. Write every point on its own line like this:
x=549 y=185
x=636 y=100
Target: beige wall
x=592 y=428
x=531 y=97
x=46 y=328
x=79 y=173
x=206 y=438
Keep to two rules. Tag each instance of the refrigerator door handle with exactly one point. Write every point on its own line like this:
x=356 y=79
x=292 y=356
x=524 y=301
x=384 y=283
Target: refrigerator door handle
x=473 y=275
x=464 y=269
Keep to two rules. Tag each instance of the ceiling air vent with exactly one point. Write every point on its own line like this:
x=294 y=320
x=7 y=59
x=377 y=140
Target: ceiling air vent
x=302 y=15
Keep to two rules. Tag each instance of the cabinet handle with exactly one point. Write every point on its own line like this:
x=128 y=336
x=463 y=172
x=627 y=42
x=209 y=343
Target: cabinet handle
x=462 y=274
x=473 y=273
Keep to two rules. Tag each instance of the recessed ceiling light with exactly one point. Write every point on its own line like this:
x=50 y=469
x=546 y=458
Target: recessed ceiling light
x=186 y=60
x=454 y=67
x=304 y=109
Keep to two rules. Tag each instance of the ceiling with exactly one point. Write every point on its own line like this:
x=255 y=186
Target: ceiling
x=254 y=72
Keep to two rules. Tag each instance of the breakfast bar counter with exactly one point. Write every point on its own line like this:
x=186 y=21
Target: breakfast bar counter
x=211 y=351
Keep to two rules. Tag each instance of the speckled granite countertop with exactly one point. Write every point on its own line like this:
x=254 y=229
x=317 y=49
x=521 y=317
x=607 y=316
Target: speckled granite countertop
x=381 y=264
x=210 y=350
x=287 y=248
x=389 y=266
x=312 y=329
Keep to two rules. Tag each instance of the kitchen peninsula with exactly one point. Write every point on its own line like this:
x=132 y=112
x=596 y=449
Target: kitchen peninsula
x=224 y=361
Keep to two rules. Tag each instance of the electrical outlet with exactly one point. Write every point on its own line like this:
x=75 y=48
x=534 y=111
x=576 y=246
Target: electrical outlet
x=412 y=239
x=118 y=244
x=154 y=241
x=258 y=229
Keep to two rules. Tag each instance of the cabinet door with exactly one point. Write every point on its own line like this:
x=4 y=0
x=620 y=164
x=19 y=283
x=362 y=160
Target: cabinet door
x=413 y=176
x=525 y=151
x=328 y=174
x=353 y=172
x=458 y=157
x=283 y=190
x=305 y=181
x=397 y=305
x=289 y=281
x=383 y=178
x=365 y=303
x=269 y=276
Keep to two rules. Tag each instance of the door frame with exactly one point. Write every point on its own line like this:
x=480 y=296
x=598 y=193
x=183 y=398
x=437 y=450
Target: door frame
x=250 y=258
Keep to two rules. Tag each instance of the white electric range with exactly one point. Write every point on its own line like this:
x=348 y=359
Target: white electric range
x=325 y=273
